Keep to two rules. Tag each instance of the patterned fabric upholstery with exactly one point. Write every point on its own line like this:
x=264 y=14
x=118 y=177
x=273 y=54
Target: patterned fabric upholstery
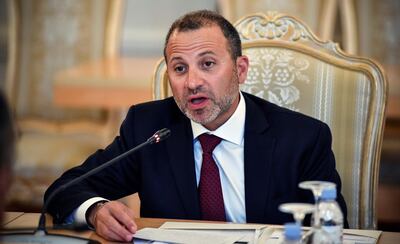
x=291 y=67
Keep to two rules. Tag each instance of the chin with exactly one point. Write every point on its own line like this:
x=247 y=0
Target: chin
x=198 y=119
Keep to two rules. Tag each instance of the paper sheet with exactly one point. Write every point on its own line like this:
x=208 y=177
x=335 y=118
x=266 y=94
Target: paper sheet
x=210 y=226
x=370 y=233
x=187 y=236
x=350 y=236
x=251 y=232
x=198 y=233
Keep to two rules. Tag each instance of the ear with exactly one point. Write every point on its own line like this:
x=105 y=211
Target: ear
x=242 y=66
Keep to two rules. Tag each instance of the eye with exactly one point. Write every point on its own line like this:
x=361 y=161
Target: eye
x=208 y=64
x=180 y=68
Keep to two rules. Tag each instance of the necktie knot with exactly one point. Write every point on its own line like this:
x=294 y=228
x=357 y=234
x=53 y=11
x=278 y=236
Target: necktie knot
x=208 y=142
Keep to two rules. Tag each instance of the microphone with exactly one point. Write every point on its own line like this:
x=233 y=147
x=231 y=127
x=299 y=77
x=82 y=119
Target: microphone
x=41 y=235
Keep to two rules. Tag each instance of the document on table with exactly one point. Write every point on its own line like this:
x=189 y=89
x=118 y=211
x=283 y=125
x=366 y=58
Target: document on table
x=368 y=233
x=350 y=236
x=186 y=236
x=189 y=232
x=198 y=233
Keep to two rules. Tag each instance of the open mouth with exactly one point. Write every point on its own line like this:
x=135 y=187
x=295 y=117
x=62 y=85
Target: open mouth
x=197 y=100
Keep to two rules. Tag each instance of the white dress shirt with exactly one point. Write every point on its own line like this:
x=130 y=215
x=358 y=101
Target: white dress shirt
x=228 y=155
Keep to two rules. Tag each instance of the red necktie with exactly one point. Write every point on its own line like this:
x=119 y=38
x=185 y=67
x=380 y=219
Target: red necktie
x=210 y=191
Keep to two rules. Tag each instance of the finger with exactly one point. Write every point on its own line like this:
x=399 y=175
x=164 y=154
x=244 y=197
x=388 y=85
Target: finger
x=105 y=231
x=130 y=213
x=110 y=223
x=113 y=228
x=126 y=217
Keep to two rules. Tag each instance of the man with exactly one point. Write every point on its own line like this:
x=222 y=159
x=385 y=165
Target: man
x=7 y=151
x=264 y=153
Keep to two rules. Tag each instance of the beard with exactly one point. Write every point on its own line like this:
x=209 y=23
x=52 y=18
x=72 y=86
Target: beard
x=218 y=105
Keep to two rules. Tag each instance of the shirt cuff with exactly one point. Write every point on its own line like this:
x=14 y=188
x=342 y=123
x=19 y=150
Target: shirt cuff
x=80 y=213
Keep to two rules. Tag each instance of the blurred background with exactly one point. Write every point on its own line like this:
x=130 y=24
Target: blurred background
x=72 y=68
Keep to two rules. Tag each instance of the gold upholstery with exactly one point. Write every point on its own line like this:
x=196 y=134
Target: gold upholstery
x=44 y=38
x=291 y=67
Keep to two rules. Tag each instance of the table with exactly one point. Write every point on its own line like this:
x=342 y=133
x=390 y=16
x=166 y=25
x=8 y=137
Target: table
x=30 y=220
x=113 y=84
x=105 y=83
x=11 y=216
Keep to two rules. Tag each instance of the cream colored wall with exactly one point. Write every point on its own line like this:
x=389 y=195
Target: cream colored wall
x=144 y=36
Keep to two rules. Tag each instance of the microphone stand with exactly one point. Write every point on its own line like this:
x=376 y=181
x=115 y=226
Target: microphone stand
x=41 y=235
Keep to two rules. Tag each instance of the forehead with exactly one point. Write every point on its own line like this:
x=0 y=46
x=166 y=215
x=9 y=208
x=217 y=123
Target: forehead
x=192 y=41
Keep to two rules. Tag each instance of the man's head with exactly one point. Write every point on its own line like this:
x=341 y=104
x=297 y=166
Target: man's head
x=7 y=150
x=205 y=18
x=205 y=67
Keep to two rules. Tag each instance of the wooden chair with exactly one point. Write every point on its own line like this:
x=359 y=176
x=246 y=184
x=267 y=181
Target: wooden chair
x=291 y=67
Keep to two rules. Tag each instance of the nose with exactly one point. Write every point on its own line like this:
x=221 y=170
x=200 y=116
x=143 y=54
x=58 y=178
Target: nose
x=193 y=80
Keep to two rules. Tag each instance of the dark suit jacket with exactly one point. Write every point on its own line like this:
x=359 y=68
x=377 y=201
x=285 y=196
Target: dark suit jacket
x=281 y=149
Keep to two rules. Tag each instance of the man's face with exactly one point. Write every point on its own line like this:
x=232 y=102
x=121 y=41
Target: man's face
x=203 y=77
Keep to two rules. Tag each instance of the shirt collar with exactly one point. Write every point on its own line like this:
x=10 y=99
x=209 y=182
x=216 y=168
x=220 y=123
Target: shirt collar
x=228 y=130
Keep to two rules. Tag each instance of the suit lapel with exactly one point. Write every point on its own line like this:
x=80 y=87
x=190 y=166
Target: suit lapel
x=181 y=159
x=258 y=149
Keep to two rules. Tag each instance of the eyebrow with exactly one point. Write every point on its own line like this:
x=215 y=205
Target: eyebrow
x=200 y=55
x=175 y=58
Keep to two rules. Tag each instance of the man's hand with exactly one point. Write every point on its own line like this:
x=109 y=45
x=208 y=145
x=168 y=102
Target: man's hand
x=113 y=221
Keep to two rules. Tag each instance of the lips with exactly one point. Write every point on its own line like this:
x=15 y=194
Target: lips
x=197 y=102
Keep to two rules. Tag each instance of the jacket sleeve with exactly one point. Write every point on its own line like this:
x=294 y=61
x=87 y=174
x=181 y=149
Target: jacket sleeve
x=113 y=182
